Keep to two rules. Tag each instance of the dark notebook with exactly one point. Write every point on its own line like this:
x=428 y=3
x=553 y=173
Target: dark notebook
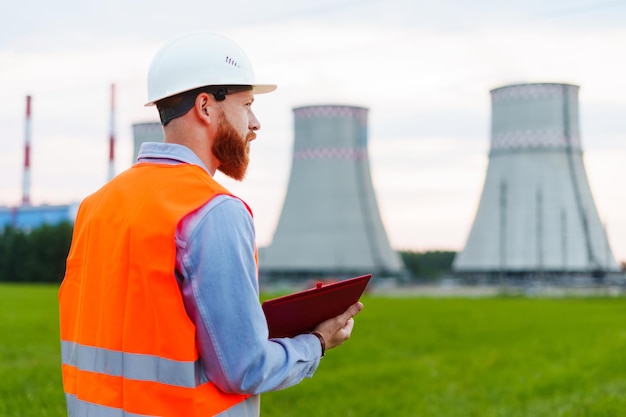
x=300 y=312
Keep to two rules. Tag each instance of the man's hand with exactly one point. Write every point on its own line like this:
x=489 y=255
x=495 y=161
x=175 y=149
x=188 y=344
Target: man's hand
x=337 y=330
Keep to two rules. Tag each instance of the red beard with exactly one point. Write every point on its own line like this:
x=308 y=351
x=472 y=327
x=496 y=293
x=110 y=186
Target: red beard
x=231 y=149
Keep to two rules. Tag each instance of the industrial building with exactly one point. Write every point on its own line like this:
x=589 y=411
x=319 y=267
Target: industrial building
x=146 y=132
x=329 y=224
x=27 y=216
x=536 y=217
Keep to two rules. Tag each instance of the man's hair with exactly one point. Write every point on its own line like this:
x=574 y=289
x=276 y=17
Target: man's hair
x=178 y=105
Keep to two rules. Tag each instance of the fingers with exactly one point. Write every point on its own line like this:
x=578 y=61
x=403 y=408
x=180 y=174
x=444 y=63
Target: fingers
x=356 y=308
x=348 y=327
x=341 y=334
x=338 y=329
x=352 y=311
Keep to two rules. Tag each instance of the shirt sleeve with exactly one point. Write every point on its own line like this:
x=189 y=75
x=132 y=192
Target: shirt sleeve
x=218 y=273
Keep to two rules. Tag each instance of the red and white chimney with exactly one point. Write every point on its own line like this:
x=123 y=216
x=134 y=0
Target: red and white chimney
x=26 y=174
x=112 y=136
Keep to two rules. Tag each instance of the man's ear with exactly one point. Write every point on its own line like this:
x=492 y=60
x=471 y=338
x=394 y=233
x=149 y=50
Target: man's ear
x=202 y=107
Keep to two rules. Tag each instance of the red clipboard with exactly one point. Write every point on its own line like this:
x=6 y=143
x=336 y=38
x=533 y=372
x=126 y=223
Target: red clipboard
x=300 y=312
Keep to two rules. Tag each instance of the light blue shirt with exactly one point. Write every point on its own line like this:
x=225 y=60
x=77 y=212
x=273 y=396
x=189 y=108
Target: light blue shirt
x=218 y=277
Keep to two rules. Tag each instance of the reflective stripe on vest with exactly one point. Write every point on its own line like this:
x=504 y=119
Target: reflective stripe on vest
x=135 y=397
x=133 y=366
x=128 y=345
x=80 y=408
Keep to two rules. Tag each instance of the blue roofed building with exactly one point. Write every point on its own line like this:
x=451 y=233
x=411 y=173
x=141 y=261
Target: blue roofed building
x=29 y=217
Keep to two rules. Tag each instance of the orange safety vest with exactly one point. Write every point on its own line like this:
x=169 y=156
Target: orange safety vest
x=128 y=345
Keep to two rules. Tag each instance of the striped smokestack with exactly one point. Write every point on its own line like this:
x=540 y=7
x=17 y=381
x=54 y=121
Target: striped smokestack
x=27 y=133
x=112 y=136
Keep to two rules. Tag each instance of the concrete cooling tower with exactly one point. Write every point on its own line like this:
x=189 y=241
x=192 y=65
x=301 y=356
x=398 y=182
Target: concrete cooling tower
x=536 y=216
x=330 y=224
x=146 y=132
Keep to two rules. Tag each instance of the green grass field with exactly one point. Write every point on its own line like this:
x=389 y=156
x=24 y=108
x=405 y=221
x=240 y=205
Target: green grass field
x=407 y=357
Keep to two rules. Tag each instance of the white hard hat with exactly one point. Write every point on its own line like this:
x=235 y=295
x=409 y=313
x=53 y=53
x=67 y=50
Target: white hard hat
x=197 y=60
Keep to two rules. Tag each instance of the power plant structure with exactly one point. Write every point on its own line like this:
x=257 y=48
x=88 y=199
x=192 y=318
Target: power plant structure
x=330 y=225
x=112 y=136
x=27 y=216
x=27 y=139
x=145 y=132
x=536 y=218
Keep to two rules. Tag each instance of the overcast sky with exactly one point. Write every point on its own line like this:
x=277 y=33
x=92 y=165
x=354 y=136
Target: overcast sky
x=423 y=68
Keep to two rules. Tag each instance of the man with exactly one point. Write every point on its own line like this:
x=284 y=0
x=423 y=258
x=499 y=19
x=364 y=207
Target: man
x=159 y=306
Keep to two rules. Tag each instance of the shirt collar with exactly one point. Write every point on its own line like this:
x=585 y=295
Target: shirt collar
x=169 y=153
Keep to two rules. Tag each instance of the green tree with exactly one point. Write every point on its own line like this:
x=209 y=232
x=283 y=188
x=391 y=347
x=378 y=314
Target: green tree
x=428 y=265
x=34 y=256
x=49 y=247
x=16 y=256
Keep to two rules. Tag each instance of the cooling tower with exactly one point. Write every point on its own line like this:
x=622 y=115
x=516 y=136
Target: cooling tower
x=330 y=224
x=536 y=215
x=146 y=132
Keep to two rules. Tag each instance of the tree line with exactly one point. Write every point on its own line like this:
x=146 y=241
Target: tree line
x=428 y=265
x=39 y=255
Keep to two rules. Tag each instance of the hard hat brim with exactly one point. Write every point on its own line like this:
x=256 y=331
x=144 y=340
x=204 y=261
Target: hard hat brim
x=263 y=88
x=256 y=89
